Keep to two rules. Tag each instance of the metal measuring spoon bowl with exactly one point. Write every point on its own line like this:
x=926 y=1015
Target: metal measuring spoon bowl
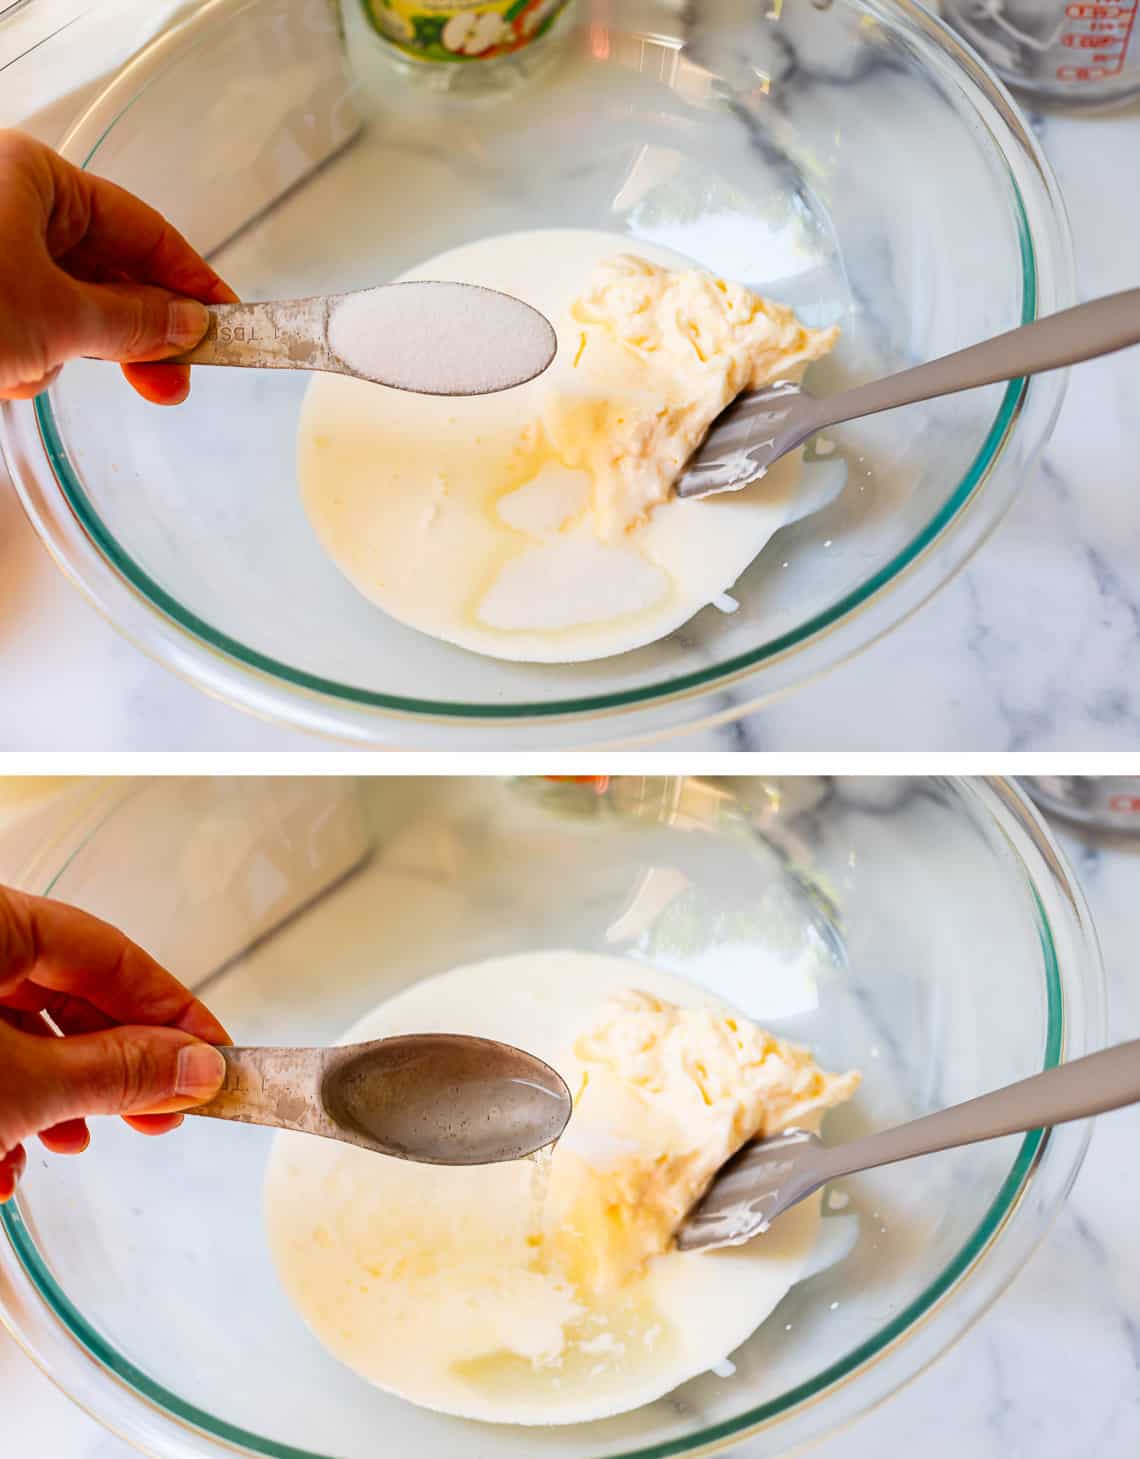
x=425 y=336
x=436 y=1098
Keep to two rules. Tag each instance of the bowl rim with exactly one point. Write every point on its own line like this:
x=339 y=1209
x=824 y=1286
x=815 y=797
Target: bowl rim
x=1075 y=1006
x=63 y=513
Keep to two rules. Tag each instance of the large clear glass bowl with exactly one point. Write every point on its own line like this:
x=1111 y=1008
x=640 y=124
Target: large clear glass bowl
x=850 y=157
x=927 y=932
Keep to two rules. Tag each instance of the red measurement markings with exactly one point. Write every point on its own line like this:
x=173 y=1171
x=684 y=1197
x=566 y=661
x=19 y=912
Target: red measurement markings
x=1107 y=31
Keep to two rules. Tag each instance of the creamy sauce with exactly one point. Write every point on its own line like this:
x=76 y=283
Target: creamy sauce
x=437 y=1284
x=455 y=517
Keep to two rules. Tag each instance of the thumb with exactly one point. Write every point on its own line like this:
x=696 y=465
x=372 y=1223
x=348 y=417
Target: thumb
x=126 y=1070
x=135 y=322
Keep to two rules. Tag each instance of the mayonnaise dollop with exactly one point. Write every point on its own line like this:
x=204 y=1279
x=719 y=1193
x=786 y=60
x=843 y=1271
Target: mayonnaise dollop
x=660 y=353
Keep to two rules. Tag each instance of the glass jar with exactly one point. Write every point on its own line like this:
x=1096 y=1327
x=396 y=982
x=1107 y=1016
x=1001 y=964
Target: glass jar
x=470 y=47
x=1077 y=53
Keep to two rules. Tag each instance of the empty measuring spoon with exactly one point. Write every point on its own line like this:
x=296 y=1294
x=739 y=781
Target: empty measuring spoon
x=757 y=429
x=439 y=1099
x=767 y=1177
x=432 y=338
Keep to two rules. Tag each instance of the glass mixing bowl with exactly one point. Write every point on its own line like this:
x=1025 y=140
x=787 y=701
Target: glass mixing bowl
x=850 y=157
x=926 y=932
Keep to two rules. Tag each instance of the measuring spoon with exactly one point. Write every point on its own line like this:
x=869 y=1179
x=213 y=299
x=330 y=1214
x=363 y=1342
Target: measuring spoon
x=437 y=1098
x=430 y=338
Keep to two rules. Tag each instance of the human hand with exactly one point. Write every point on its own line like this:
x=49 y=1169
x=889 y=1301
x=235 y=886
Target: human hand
x=88 y=269
x=132 y=1040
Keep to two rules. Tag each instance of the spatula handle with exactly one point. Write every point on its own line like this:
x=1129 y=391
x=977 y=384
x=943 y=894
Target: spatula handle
x=1073 y=1091
x=1097 y=328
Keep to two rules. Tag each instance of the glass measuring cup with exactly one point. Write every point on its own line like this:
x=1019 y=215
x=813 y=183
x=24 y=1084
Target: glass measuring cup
x=1103 y=802
x=1079 y=53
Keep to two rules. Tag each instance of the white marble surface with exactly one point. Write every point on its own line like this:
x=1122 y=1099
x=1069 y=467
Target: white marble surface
x=1052 y=1372
x=1034 y=646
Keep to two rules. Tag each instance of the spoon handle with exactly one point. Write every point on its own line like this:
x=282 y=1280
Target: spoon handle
x=267 y=1086
x=285 y=334
x=1073 y=1091
x=1097 y=328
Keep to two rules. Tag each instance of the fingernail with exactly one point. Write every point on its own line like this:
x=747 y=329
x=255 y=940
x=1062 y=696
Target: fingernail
x=201 y=1070
x=186 y=323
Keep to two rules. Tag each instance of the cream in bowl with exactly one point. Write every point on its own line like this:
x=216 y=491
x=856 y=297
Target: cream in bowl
x=550 y=1292
x=539 y=524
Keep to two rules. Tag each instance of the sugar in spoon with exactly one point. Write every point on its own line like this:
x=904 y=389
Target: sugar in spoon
x=768 y=1177
x=433 y=338
x=439 y=1099
x=760 y=427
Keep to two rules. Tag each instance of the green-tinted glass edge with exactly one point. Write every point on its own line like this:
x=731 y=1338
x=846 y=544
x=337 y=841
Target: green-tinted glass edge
x=999 y=1210
x=88 y=836
x=250 y=658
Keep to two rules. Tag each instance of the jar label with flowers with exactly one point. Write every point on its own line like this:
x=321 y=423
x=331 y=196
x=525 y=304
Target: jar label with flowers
x=461 y=30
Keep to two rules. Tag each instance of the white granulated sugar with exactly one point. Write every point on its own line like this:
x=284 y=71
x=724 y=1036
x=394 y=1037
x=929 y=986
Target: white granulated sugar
x=440 y=338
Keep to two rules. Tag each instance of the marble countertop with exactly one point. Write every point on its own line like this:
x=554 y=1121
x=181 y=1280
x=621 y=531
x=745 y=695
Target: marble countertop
x=1051 y=1372
x=1033 y=647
